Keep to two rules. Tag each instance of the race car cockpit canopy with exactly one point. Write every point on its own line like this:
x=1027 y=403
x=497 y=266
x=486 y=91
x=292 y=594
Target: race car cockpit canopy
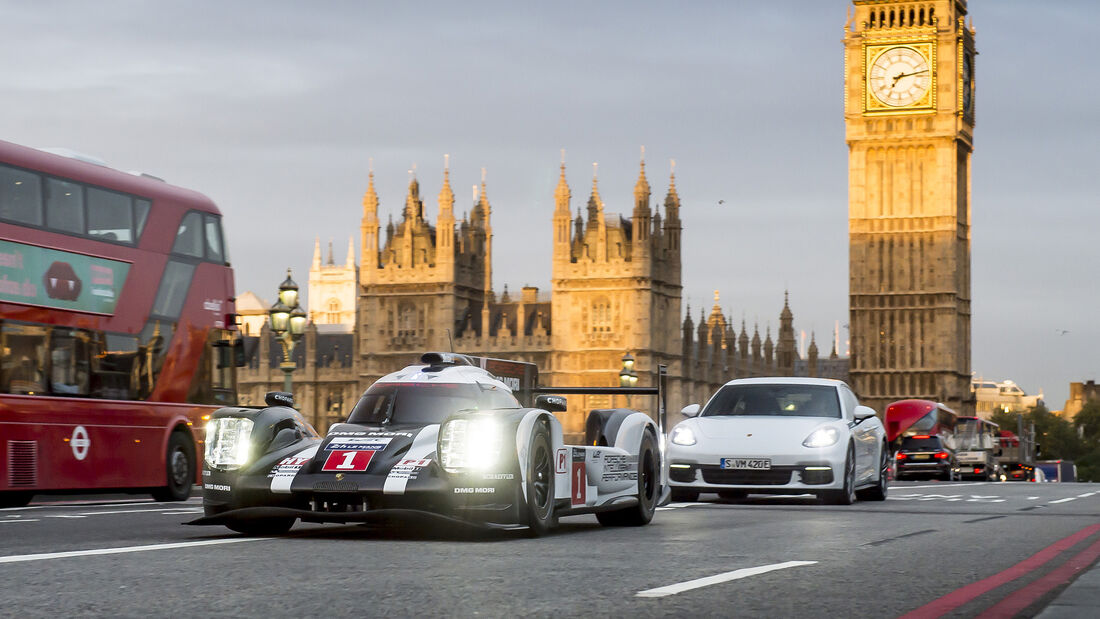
x=519 y=377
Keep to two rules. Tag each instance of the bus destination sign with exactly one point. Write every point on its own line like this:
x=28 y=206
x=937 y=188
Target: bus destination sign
x=34 y=275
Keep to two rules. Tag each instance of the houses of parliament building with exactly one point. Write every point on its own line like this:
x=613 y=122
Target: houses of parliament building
x=422 y=285
x=909 y=114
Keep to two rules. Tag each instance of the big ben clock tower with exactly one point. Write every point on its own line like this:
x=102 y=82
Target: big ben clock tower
x=909 y=116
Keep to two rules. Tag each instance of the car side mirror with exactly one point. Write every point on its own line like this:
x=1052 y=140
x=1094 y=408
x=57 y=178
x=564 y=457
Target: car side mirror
x=691 y=410
x=863 y=413
x=551 y=403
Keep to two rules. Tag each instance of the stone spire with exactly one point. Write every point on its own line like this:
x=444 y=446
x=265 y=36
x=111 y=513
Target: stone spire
x=595 y=204
x=331 y=259
x=316 y=253
x=445 y=225
x=368 y=230
x=641 y=217
x=562 y=196
x=414 y=206
x=811 y=368
x=486 y=212
x=787 y=350
x=769 y=347
x=350 y=262
x=743 y=341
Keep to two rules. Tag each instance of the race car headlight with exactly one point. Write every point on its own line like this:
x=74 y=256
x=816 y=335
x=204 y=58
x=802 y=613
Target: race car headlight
x=822 y=437
x=682 y=436
x=228 y=442
x=470 y=444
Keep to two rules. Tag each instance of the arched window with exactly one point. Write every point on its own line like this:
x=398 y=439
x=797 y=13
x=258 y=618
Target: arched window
x=600 y=318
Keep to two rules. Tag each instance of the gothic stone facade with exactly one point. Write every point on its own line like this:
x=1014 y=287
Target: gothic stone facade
x=616 y=288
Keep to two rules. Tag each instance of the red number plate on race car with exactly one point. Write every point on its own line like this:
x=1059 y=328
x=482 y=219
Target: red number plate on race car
x=758 y=464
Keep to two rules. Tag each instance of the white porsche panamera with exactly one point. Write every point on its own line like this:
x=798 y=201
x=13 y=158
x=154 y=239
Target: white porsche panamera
x=780 y=436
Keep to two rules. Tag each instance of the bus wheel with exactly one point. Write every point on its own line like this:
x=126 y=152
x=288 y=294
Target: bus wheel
x=15 y=499
x=179 y=468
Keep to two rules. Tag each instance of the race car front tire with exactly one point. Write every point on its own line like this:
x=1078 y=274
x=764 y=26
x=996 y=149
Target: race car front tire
x=540 y=482
x=649 y=490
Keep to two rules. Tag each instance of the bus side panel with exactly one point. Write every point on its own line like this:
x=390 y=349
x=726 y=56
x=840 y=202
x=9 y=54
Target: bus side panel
x=81 y=443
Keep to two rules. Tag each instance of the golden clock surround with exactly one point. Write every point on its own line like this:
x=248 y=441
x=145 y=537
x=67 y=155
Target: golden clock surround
x=927 y=103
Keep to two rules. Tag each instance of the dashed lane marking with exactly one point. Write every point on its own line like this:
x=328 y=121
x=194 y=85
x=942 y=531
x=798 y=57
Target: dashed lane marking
x=1067 y=500
x=718 y=579
x=18 y=521
x=126 y=549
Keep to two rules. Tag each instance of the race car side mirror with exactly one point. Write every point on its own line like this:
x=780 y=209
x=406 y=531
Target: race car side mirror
x=551 y=403
x=690 y=410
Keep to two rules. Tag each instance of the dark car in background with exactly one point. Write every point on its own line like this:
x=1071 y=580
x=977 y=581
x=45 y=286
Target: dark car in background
x=1018 y=471
x=925 y=456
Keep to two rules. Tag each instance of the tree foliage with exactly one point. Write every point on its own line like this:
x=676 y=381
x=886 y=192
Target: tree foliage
x=1060 y=439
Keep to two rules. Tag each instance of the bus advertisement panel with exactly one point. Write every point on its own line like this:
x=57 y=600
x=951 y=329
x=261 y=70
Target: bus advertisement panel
x=116 y=325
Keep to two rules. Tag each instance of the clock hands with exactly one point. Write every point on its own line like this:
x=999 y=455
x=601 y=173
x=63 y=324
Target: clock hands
x=901 y=75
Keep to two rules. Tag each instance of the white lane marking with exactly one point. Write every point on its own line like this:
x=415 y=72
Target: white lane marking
x=125 y=511
x=66 y=516
x=1086 y=495
x=18 y=521
x=1072 y=498
x=181 y=513
x=679 y=505
x=969 y=484
x=1032 y=498
x=125 y=549
x=718 y=579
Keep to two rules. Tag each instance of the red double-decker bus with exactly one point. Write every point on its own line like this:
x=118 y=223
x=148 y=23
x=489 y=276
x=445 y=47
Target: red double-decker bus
x=116 y=325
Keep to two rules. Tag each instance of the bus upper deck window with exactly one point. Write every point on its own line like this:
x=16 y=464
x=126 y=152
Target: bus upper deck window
x=20 y=196
x=110 y=215
x=65 y=206
x=189 y=237
x=214 y=239
x=141 y=215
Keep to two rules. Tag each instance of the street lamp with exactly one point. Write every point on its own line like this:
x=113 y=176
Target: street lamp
x=627 y=377
x=288 y=322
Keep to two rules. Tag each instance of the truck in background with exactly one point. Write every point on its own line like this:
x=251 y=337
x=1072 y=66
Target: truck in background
x=1058 y=470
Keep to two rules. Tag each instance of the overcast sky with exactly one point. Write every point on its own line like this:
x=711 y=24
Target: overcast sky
x=273 y=109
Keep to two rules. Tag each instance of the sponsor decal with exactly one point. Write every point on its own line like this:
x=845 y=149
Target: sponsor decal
x=620 y=468
x=390 y=434
x=561 y=465
x=218 y=487
x=343 y=433
x=348 y=460
x=366 y=443
x=283 y=473
x=475 y=490
x=499 y=476
x=80 y=443
x=408 y=469
x=579 y=478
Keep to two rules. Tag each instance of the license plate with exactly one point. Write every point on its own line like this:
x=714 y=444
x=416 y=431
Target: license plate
x=967 y=471
x=920 y=457
x=757 y=464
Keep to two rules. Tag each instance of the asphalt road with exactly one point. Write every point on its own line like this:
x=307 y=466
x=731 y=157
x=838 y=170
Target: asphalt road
x=759 y=557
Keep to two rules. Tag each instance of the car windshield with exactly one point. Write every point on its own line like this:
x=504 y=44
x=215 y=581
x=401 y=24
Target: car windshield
x=928 y=443
x=788 y=400
x=426 y=403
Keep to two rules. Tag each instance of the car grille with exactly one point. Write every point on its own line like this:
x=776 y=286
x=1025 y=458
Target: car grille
x=336 y=486
x=776 y=476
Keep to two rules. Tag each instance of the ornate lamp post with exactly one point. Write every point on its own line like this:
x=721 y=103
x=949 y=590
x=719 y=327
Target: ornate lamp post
x=288 y=322
x=627 y=377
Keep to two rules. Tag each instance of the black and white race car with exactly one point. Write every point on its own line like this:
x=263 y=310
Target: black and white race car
x=449 y=438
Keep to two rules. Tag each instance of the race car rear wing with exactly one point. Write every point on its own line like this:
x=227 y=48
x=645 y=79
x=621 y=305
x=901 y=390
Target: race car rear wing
x=659 y=390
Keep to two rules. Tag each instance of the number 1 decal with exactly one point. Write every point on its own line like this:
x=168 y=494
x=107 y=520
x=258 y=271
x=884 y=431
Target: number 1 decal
x=347 y=460
x=579 y=479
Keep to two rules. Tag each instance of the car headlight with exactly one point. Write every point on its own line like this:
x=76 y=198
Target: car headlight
x=822 y=437
x=470 y=444
x=228 y=442
x=682 y=436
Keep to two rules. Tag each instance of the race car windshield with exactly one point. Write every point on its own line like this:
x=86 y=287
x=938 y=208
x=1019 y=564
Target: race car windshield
x=774 y=401
x=420 y=403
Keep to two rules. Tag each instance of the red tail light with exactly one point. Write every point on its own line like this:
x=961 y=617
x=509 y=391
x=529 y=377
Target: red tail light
x=901 y=456
x=942 y=455
x=922 y=436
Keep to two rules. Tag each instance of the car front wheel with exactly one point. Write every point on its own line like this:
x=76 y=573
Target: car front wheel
x=847 y=494
x=878 y=491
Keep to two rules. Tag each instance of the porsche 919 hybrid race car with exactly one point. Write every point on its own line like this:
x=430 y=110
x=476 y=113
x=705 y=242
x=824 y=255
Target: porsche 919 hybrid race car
x=449 y=438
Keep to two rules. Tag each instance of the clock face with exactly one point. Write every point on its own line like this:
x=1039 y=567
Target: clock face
x=899 y=76
x=967 y=82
